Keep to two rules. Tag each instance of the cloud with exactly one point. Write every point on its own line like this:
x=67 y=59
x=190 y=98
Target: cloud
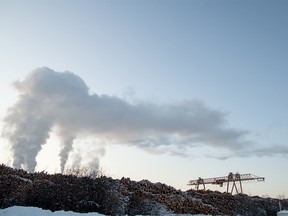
x=277 y=150
x=49 y=99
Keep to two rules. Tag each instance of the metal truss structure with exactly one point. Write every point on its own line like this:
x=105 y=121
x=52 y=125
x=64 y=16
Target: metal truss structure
x=230 y=180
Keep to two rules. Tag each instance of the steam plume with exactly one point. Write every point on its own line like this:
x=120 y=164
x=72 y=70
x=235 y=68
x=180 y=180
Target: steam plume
x=50 y=99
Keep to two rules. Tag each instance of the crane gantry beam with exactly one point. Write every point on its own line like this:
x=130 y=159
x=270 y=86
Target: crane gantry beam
x=231 y=178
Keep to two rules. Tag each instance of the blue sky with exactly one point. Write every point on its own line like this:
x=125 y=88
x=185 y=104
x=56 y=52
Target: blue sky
x=231 y=55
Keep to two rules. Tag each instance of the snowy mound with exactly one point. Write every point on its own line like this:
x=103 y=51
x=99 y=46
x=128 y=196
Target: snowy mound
x=33 y=211
x=29 y=211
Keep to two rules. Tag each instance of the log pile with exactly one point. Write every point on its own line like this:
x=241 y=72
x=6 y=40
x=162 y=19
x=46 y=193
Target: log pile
x=121 y=197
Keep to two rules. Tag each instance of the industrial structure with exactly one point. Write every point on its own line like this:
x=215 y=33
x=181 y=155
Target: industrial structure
x=232 y=180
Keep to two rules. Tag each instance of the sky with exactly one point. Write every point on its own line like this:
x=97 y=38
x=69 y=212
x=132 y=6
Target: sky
x=167 y=91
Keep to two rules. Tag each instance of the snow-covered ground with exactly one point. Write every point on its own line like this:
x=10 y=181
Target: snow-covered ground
x=33 y=211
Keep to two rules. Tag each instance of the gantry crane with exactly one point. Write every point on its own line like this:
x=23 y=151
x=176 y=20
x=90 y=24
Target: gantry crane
x=231 y=178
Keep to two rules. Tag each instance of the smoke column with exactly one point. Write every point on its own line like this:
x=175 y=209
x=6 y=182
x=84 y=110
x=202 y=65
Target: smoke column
x=49 y=99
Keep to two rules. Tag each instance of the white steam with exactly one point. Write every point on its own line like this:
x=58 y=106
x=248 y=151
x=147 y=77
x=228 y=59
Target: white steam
x=49 y=99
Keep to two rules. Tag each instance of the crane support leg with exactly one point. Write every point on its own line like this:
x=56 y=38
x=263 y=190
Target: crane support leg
x=241 y=186
x=228 y=187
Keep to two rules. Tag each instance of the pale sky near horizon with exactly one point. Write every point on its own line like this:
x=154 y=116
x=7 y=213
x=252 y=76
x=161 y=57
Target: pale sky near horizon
x=230 y=55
